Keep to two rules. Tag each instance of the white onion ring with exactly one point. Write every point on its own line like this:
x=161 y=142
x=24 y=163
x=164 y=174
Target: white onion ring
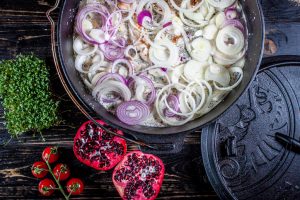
x=172 y=57
x=130 y=70
x=186 y=22
x=232 y=70
x=230 y=40
x=81 y=48
x=221 y=4
x=222 y=59
x=160 y=111
x=217 y=73
x=186 y=9
x=112 y=86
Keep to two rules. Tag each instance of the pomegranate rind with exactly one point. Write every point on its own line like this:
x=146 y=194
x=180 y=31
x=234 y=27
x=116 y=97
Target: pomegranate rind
x=114 y=159
x=120 y=186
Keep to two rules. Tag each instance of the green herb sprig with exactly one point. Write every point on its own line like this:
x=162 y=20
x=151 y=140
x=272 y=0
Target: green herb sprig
x=27 y=101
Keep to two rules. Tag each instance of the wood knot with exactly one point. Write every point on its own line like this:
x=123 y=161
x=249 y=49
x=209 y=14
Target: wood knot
x=270 y=47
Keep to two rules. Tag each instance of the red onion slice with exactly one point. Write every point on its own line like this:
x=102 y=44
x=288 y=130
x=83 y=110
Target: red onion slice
x=234 y=22
x=231 y=13
x=144 y=15
x=127 y=1
x=83 y=13
x=132 y=112
x=111 y=51
x=174 y=104
x=137 y=80
x=111 y=28
x=112 y=99
x=167 y=24
x=110 y=76
x=120 y=42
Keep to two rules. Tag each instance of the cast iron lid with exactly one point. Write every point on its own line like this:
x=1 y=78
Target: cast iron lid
x=242 y=157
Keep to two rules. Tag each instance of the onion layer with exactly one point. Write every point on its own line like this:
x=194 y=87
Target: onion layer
x=230 y=40
x=111 y=87
x=221 y=4
x=122 y=63
x=96 y=8
x=132 y=112
x=112 y=51
x=167 y=56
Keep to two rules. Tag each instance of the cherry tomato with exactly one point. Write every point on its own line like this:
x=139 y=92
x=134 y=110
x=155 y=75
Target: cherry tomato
x=46 y=187
x=75 y=186
x=61 y=172
x=50 y=154
x=39 y=169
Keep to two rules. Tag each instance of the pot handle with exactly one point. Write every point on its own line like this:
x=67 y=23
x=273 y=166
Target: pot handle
x=163 y=144
x=65 y=85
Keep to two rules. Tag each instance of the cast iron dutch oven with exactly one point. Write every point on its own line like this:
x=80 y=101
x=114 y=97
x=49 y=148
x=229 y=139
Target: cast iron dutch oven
x=64 y=37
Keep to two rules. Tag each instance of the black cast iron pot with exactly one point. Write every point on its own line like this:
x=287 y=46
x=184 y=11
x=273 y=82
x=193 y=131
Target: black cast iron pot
x=65 y=28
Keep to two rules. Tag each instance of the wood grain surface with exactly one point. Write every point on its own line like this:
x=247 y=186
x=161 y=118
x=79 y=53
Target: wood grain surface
x=24 y=29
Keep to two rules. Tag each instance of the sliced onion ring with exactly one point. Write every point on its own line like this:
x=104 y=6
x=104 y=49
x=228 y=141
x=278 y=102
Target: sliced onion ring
x=186 y=9
x=112 y=76
x=111 y=51
x=83 y=13
x=132 y=112
x=160 y=110
x=127 y=1
x=146 y=4
x=144 y=15
x=223 y=59
x=190 y=23
x=172 y=54
x=231 y=13
x=230 y=40
x=221 y=4
x=83 y=49
x=142 y=80
x=126 y=63
x=173 y=102
x=232 y=71
x=234 y=22
x=110 y=86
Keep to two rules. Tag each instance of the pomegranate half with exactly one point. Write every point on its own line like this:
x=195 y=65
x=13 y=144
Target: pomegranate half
x=139 y=176
x=96 y=148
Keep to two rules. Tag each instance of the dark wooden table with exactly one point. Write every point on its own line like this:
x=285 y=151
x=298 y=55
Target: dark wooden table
x=24 y=28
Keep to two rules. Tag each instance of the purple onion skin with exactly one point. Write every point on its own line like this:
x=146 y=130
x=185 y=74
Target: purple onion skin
x=167 y=24
x=231 y=13
x=151 y=99
x=94 y=7
x=142 y=15
x=111 y=51
x=164 y=69
x=111 y=76
x=126 y=1
x=174 y=104
x=236 y=23
x=142 y=111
